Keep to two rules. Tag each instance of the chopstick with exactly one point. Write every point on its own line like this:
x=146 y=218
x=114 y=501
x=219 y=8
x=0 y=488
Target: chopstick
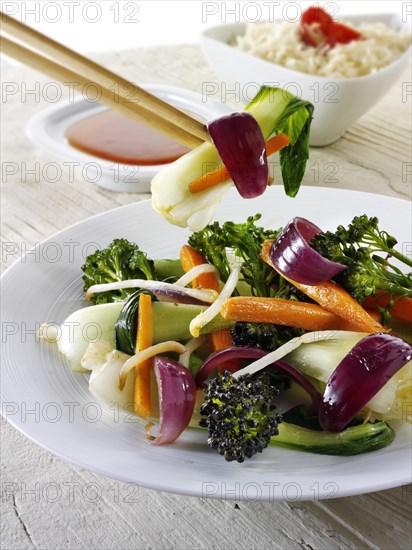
x=65 y=65
x=131 y=110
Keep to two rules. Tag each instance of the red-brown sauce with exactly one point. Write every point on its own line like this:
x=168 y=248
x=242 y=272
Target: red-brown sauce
x=112 y=136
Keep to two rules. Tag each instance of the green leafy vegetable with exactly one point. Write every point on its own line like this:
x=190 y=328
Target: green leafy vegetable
x=293 y=158
x=245 y=240
x=126 y=324
x=119 y=261
x=168 y=270
x=351 y=441
x=357 y=246
x=122 y=260
x=295 y=121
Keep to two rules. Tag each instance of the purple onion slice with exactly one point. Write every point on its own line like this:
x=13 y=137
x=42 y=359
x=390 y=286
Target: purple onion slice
x=294 y=258
x=241 y=146
x=217 y=359
x=177 y=296
x=177 y=397
x=359 y=376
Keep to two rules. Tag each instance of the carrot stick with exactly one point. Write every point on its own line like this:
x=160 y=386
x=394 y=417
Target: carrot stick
x=276 y=143
x=278 y=311
x=401 y=309
x=144 y=339
x=333 y=298
x=190 y=258
x=210 y=179
x=222 y=339
x=219 y=339
x=374 y=314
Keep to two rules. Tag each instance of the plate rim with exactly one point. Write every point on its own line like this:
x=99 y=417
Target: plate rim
x=146 y=201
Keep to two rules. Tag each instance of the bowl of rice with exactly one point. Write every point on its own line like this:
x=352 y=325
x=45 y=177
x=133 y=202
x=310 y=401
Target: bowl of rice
x=343 y=82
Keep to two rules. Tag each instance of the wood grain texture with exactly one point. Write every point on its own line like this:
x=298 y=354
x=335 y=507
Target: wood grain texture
x=47 y=503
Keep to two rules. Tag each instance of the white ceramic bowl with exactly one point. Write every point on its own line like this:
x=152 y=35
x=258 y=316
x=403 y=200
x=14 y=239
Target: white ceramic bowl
x=47 y=129
x=338 y=102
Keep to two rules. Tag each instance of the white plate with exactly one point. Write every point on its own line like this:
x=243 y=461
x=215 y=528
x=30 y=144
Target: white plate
x=47 y=129
x=46 y=285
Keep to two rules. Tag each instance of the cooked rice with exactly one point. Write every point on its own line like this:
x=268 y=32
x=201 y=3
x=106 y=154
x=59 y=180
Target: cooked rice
x=280 y=43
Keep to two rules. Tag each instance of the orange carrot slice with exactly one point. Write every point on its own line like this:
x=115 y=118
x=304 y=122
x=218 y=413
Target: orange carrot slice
x=278 y=311
x=144 y=339
x=333 y=298
x=210 y=179
x=222 y=339
x=191 y=258
x=401 y=309
x=374 y=314
x=219 y=339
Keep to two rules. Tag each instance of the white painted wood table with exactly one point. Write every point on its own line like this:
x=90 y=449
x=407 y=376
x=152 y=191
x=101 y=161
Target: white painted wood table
x=375 y=156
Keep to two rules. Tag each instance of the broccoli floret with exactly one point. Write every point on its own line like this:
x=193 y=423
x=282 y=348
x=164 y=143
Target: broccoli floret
x=244 y=240
x=265 y=336
x=367 y=272
x=240 y=414
x=119 y=261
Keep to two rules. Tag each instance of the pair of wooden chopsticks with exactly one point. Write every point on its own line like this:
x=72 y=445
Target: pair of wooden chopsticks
x=67 y=66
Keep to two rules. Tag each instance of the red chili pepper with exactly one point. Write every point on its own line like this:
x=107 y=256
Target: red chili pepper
x=317 y=28
x=341 y=34
x=315 y=15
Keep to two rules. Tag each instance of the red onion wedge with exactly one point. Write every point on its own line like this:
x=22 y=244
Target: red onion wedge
x=217 y=361
x=178 y=295
x=177 y=397
x=241 y=146
x=293 y=257
x=359 y=376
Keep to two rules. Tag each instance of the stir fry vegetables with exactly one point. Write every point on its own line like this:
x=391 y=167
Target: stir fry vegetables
x=255 y=351
x=273 y=111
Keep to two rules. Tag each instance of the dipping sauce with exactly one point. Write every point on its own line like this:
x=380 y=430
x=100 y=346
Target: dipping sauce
x=112 y=136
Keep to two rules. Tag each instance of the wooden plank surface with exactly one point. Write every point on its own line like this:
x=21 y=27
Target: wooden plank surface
x=47 y=503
